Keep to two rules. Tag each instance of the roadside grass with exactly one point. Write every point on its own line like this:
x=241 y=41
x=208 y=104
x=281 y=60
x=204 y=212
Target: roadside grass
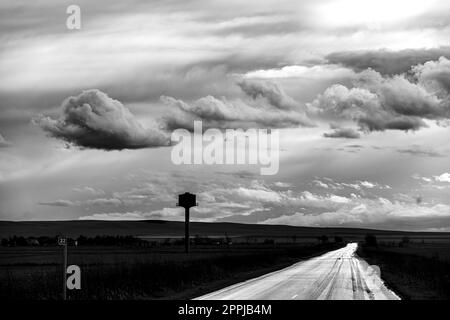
x=146 y=274
x=412 y=272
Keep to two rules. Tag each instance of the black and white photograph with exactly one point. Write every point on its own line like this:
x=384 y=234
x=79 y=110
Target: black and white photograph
x=275 y=150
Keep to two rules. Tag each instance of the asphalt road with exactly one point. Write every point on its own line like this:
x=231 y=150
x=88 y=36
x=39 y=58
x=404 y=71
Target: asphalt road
x=336 y=275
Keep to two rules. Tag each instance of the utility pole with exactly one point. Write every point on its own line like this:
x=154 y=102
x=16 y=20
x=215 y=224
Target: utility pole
x=187 y=201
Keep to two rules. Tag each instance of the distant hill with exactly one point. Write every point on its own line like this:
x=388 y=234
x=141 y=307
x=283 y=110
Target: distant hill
x=160 y=228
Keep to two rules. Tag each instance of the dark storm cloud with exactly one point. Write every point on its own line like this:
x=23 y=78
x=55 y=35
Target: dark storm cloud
x=347 y=133
x=265 y=105
x=94 y=120
x=378 y=103
x=386 y=61
x=363 y=107
x=270 y=91
x=203 y=78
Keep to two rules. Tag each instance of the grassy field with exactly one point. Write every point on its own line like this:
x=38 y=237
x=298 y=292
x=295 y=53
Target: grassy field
x=416 y=271
x=162 y=270
x=135 y=273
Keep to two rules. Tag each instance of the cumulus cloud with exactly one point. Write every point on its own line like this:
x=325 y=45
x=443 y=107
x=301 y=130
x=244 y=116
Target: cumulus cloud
x=172 y=214
x=362 y=106
x=368 y=184
x=168 y=214
x=281 y=184
x=329 y=203
x=94 y=120
x=265 y=105
x=89 y=202
x=4 y=143
x=316 y=72
x=445 y=177
x=347 y=133
x=270 y=91
x=355 y=185
x=437 y=72
x=320 y=184
x=373 y=213
x=115 y=216
x=387 y=61
x=422 y=151
x=104 y=202
x=399 y=102
x=257 y=194
x=58 y=203
x=91 y=190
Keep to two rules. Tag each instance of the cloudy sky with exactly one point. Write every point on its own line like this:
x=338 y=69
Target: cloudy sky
x=360 y=91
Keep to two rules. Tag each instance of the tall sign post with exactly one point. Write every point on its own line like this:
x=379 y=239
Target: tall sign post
x=187 y=201
x=62 y=241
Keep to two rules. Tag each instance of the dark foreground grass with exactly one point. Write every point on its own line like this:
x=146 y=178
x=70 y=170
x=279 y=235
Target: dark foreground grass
x=180 y=275
x=412 y=276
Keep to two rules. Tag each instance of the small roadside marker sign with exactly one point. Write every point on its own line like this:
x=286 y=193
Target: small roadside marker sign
x=62 y=241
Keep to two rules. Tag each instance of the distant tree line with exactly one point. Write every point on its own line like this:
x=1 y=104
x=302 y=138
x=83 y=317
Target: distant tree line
x=371 y=240
x=80 y=241
x=324 y=239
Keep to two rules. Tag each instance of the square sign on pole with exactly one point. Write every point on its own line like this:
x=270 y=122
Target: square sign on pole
x=187 y=200
x=62 y=241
